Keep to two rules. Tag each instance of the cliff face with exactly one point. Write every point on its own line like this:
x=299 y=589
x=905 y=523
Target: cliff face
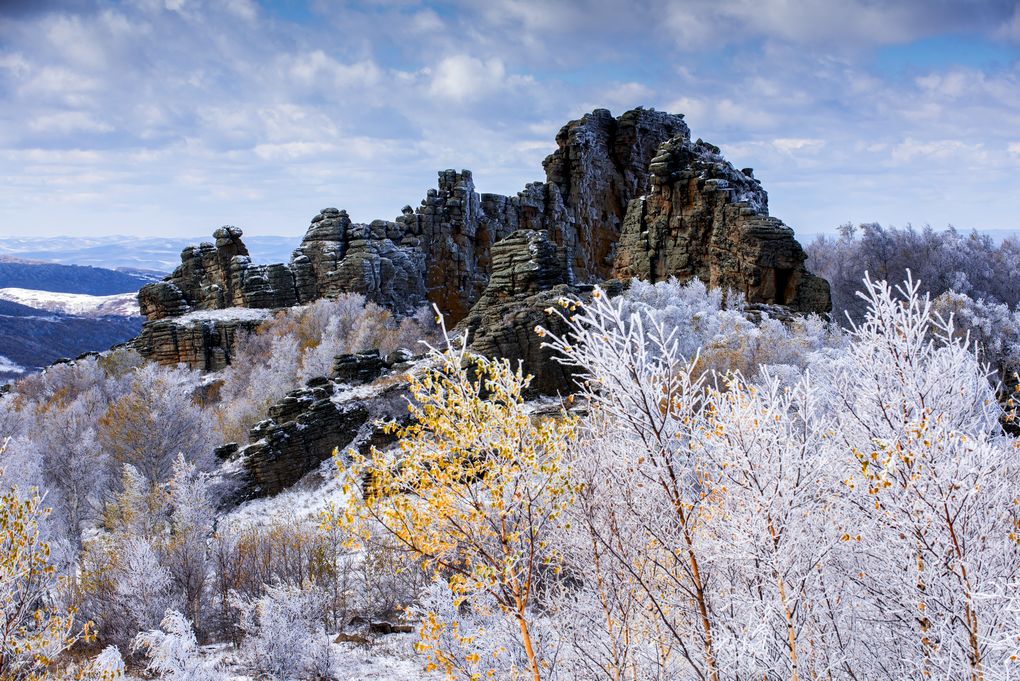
x=704 y=218
x=624 y=197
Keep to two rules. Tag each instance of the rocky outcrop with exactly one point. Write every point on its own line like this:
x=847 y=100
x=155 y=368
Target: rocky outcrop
x=456 y=228
x=630 y=196
x=335 y=256
x=358 y=368
x=441 y=251
x=302 y=430
x=704 y=218
x=600 y=165
x=380 y=266
x=530 y=274
x=200 y=340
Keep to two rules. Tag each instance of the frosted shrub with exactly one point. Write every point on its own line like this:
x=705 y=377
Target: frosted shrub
x=715 y=328
x=284 y=637
x=108 y=665
x=123 y=587
x=172 y=653
x=301 y=343
x=992 y=327
x=474 y=496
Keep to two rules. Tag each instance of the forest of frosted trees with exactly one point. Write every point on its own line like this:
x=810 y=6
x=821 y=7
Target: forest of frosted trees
x=727 y=496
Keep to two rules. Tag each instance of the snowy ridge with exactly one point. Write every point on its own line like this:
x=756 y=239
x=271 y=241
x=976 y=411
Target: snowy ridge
x=9 y=367
x=77 y=304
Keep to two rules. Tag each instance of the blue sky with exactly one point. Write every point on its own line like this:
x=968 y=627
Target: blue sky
x=171 y=117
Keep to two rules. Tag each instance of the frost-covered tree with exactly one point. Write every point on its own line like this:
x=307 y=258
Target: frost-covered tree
x=185 y=548
x=992 y=328
x=284 y=637
x=156 y=421
x=123 y=587
x=33 y=630
x=857 y=523
x=650 y=401
x=172 y=653
x=934 y=494
x=973 y=264
x=474 y=494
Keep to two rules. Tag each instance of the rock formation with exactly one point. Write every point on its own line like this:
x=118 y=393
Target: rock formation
x=704 y=218
x=530 y=273
x=301 y=431
x=600 y=165
x=199 y=340
x=623 y=197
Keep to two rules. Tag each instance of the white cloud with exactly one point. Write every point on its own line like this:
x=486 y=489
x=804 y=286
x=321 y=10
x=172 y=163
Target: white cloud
x=788 y=145
x=465 y=78
x=67 y=122
x=836 y=25
x=316 y=69
x=1014 y=148
x=244 y=9
x=291 y=150
x=1010 y=28
x=911 y=149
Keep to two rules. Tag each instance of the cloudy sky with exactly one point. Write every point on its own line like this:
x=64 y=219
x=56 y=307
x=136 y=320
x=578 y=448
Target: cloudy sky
x=171 y=117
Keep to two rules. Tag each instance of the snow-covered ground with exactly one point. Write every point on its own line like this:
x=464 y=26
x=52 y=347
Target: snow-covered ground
x=78 y=304
x=385 y=658
x=9 y=367
x=305 y=501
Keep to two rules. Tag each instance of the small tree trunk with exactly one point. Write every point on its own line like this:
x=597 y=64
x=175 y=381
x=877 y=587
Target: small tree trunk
x=529 y=649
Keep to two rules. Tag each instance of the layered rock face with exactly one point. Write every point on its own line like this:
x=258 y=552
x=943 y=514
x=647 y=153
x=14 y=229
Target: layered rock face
x=600 y=165
x=301 y=431
x=199 y=340
x=530 y=273
x=704 y=218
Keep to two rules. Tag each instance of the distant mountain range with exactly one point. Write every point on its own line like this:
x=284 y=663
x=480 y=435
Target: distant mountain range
x=130 y=253
x=49 y=311
x=93 y=281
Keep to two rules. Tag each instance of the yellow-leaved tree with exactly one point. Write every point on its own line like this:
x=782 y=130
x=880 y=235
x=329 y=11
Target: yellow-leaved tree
x=473 y=492
x=32 y=632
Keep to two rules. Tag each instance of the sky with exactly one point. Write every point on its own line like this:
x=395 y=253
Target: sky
x=172 y=117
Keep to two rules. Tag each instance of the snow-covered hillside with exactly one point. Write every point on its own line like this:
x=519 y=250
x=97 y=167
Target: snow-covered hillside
x=9 y=367
x=78 y=304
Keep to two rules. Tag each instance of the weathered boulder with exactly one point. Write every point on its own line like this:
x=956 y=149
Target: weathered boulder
x=358 y=368
x=376 y=267
x=301 y=432
x=704 y=218
x=321 y=250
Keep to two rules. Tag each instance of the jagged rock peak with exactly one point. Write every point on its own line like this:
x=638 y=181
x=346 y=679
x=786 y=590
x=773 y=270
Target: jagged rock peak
x=601 y=163
x=704 y=218
x=626 y=196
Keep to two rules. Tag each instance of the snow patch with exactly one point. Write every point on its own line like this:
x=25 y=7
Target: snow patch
x=77 y=304
x=9 y=367
x=230 y=314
